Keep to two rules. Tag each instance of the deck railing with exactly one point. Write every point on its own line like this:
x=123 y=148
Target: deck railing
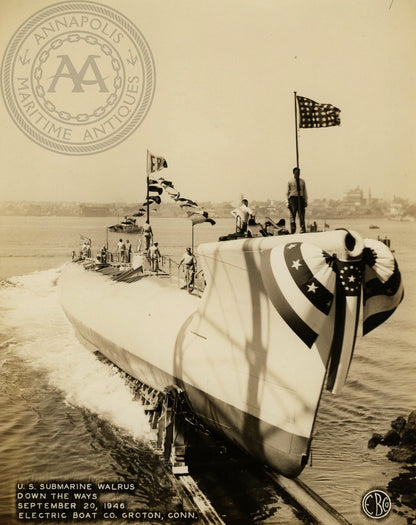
x=166 y=267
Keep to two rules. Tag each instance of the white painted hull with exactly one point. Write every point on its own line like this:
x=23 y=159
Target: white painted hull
x=244 y=370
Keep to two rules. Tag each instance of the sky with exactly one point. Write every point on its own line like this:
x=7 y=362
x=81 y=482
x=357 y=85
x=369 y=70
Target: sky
x=223 y=112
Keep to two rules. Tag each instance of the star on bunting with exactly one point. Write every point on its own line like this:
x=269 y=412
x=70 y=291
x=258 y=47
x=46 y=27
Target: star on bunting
x=296 y=264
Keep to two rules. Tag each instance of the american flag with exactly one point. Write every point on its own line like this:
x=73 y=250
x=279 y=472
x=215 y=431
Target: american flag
x=315 y=115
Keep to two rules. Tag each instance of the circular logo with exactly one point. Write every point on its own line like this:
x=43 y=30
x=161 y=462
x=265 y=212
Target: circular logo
x=78 y=77
x=376 y=504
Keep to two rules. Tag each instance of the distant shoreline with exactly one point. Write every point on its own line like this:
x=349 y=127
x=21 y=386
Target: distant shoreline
x=318 y=209
x=313 y=217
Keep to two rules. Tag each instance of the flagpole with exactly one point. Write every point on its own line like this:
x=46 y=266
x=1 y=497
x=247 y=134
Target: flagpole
x=296 y=132
x=297 y=158
x=147 y=188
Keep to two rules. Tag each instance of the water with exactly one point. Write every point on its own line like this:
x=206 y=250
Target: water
x=67 y=415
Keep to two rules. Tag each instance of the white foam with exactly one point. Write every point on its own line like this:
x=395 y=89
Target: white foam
x=44 y=338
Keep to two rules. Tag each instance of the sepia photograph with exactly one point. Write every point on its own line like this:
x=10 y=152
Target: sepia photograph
x=207 y=276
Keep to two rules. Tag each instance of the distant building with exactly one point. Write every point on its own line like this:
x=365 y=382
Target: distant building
x=396 y=209
x=354 y=198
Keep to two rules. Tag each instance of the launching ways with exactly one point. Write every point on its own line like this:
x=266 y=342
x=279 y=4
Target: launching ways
x=175 y=431
x=317 y=508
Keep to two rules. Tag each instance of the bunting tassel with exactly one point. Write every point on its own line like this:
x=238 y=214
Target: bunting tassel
x=383 y=287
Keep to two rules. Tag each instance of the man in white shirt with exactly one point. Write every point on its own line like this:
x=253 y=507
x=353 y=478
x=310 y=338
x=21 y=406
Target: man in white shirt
x=297 y=200
x=189 y=262
x=242 y=216
x=121 y=249
x=154 y=255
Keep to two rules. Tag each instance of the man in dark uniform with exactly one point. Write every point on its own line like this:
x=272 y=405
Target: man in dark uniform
x=297 y=200
x=148 y=235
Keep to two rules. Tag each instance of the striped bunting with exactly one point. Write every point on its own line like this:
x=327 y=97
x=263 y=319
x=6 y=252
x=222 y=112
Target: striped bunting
x=302 y=274
x=383 y=287
x=301 y=285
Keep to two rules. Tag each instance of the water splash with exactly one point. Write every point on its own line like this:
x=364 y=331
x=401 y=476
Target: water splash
x=35 y=329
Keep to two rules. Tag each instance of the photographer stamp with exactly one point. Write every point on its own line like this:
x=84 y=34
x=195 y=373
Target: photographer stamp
x=78 y=77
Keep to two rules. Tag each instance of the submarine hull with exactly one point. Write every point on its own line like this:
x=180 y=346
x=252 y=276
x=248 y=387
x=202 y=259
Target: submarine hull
x=251 y=354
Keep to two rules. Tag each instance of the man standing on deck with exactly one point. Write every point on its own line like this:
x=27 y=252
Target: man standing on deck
x=148 y=235
x=128 y=251
x=189 y=261
x=120 y=250
x=242 y=216
x=297 y=200
x=154 y=254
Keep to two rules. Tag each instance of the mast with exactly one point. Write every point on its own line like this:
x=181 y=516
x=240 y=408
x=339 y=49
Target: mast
x=147 y=187
x=296 y=131
x=297 y=157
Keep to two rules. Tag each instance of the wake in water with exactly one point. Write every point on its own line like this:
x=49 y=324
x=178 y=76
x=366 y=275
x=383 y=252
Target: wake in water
x=101 y=430
x=35 y=329
x=65 y=414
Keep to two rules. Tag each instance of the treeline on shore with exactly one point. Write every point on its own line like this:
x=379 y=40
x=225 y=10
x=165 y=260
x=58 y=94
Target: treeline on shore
x=322 y=208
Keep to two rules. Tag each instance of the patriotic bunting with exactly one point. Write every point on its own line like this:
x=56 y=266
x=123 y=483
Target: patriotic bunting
x=305 y=285
x=349 y=281
x=315 y=115
x=350 y=276
x=383 y=287
x=301 y=284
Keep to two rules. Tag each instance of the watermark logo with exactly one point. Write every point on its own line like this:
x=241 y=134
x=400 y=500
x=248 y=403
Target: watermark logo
x=78 y=77
x=376 y=504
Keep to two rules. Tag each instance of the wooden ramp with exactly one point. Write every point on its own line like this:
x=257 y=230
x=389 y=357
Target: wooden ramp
x=320 y=511
x=207 y=512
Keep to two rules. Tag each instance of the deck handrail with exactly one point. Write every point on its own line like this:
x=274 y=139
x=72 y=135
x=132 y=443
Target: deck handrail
x=166 y=263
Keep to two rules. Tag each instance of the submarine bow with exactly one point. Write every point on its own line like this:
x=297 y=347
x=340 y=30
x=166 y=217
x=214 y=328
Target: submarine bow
x=278 y=315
